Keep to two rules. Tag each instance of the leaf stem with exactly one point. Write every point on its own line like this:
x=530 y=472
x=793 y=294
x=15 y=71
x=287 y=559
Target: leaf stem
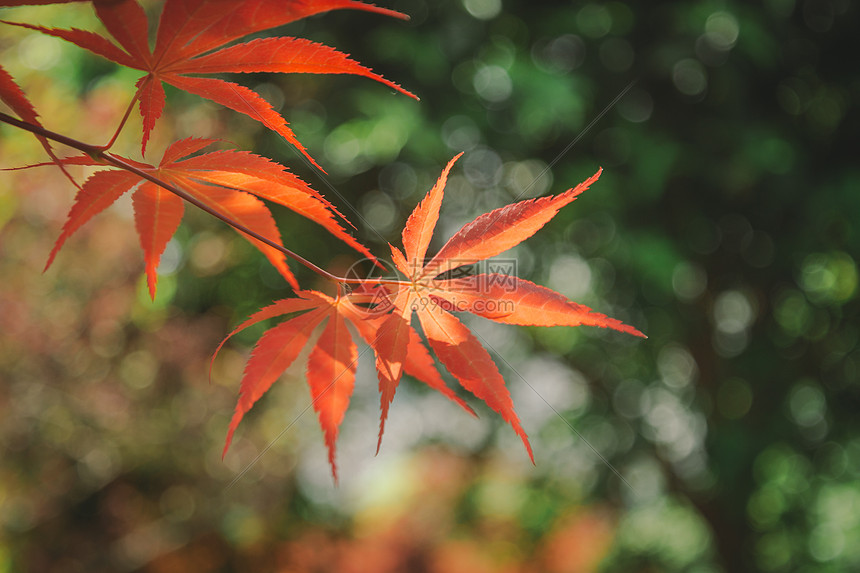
x=100 y=153
x=110 y=143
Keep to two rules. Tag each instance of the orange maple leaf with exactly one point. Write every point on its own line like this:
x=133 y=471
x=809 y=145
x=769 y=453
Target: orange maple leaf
x=229 y=181
x=431 y=295
x=189 y=30
x=12 y=95
x=332 y=362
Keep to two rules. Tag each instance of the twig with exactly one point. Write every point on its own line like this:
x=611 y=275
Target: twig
x=99 y=153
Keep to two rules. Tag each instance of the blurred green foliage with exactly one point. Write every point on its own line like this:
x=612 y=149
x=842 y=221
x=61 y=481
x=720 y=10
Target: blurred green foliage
x=724 y=226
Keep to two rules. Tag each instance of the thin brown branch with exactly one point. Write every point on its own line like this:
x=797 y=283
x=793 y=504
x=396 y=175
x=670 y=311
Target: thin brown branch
x=99 y=153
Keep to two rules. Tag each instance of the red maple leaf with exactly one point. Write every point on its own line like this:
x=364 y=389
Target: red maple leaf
x=12 y=95
x=332 y=362
x=231 y=182
x=433 y=296
x=189 y=31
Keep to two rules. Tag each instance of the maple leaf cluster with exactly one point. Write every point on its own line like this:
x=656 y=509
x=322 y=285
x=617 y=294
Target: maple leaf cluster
x=192 y=39
x=229 y=182
x=381 y=312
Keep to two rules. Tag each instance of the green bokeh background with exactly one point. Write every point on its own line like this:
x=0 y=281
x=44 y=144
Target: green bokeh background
x=723 y=226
